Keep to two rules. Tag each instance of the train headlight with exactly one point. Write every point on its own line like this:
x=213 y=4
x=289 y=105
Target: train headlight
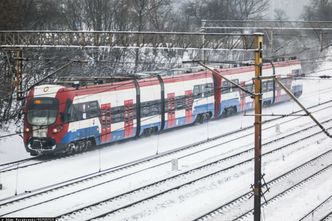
x=57 y=129
x=27 y=130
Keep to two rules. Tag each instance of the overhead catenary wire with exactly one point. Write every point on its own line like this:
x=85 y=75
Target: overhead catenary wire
x=222 y=87
x=325 y=77
x=107 y=89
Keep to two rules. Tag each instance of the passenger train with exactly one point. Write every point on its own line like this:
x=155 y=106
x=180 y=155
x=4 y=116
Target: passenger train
x=67 y=119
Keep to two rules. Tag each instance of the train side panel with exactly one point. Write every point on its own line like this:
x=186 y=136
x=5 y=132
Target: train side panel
x=188 y=97
x=56 y=117
x=235 y=100
x=150 y=106
x=106 y=116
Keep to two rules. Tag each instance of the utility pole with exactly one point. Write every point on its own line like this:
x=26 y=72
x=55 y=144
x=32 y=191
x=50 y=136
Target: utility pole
x=258 y=125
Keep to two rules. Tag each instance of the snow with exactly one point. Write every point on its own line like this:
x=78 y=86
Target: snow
x=193 y=201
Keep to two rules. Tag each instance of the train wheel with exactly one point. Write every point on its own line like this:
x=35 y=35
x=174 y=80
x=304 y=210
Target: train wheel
x=231 y=111
x=224 y=113
x=155 y=130
x=205 y=117
x=228 y=111
x=71 y=147
x=147 y=132
x=88 y=144
x=81 y=146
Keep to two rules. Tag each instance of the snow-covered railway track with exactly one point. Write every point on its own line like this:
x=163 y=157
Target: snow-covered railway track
x=242 y=132
x=179 y=153
x=328 y=217
x=14 y=165
x=242 y=206
x=320 y=212
x=73 y=187
x=168 y=185
x=82 y=184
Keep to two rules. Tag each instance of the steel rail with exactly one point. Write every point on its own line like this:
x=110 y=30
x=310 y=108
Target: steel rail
x=188 y=182
x=247 y=195
x=13 y=165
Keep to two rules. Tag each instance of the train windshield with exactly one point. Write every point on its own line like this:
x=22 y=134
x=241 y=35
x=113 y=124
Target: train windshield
x=42 y=111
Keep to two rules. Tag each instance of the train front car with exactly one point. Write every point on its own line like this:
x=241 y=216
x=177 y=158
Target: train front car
x=43 y=127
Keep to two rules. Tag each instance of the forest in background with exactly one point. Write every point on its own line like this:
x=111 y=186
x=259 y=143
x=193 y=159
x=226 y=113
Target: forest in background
x=126 y=15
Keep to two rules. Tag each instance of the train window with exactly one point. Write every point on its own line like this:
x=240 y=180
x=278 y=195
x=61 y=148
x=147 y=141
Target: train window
x=150 y=108
x=226 y=87
x=155 y=107
x=296 y=72
x=270 y=86
x=145 y=110
x=180 y=102
x=203 y=90
x=42 y=111
x=67 y=113
x=81 y=111
x=74 y=113
x=249 y=87
x=92 y=109
x=198 y=91
x=208 y=90
x=283 y=81
x=264 y=86
x=234 y=88
x=117 y=114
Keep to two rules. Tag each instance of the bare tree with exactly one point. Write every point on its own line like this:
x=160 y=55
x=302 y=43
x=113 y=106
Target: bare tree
x=224 y=9
x=318 y=10
x=280 y=15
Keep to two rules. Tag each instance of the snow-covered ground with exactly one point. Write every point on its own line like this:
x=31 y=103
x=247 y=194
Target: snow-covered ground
x=315 y=91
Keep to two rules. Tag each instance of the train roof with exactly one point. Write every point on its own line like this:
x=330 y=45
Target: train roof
x=120 y=82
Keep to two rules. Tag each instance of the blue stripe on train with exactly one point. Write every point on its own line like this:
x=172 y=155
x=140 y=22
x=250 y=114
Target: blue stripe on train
x=119 y=134
x=178 y=122
x=89 y=132
x=80 y=134
x=203 y=109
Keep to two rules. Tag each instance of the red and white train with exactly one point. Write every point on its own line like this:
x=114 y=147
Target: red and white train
x=60 y=119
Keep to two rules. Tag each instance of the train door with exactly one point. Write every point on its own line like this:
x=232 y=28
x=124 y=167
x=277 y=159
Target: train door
x=242 y=96
x=170 y=110
x=188 y=106
x=105 y=121
x=128 y=118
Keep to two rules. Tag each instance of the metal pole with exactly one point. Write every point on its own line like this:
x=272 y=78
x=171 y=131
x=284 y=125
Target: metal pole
x=18 y=74
x=258 y=125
